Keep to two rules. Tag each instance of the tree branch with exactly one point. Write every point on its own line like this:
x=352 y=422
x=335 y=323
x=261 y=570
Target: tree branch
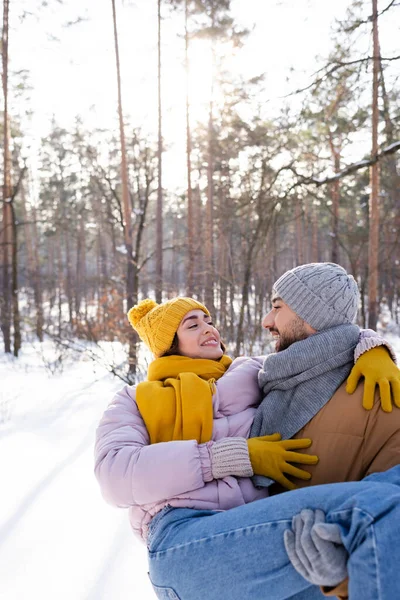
x=334 y=68
x=351 y=168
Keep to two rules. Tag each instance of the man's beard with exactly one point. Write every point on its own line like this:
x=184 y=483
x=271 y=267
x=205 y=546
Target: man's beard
x=296 y=331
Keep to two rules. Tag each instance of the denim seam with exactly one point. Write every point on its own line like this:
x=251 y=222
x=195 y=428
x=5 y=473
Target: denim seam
x=222 y=534
x=378 y=581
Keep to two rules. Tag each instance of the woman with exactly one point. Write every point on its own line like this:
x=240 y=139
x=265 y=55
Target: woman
x=174 y=451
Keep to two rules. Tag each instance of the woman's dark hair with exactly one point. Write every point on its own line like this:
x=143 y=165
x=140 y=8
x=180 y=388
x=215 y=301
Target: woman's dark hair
x=174 y=349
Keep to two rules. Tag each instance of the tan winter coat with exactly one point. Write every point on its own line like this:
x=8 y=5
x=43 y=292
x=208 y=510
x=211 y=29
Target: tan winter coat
x=351 y=443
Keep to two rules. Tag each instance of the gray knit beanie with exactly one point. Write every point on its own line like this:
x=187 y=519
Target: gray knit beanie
x=322 y=294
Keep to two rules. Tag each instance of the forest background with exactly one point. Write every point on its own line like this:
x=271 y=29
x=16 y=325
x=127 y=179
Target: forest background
x=192 y=147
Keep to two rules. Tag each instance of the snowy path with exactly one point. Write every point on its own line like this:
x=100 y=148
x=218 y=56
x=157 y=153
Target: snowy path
x=58 y=538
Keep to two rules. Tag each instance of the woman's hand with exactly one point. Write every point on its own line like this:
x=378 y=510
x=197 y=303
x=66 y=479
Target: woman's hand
x=272 y=457
x=377 y=368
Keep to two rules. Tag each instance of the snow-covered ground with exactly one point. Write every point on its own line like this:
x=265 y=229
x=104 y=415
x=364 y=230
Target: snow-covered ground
x=58 y=539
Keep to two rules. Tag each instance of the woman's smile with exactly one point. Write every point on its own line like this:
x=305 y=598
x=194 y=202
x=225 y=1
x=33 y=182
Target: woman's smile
x=198 y=338
x=210 y=342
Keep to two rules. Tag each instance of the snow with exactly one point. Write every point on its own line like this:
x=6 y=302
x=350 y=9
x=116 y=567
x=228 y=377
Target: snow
x=58 y=538
x=391 y=147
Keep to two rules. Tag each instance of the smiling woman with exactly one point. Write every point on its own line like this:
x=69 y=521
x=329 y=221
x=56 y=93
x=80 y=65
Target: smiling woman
x=198 y=338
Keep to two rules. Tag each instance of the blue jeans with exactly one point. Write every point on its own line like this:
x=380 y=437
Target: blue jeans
x=239 y=554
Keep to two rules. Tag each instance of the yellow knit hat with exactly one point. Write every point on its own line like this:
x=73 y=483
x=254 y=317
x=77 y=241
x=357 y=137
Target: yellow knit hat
x=157 y=324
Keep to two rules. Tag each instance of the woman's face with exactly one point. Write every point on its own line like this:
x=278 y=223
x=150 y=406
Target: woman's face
x=197 y=336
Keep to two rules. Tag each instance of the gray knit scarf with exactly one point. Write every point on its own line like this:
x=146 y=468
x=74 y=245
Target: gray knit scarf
x=300 y=380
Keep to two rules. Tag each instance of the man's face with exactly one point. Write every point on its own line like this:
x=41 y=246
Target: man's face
x=285 y=325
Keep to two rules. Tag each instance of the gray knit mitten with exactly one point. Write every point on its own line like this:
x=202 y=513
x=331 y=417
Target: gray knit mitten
x=315 y=549
x=230 y=456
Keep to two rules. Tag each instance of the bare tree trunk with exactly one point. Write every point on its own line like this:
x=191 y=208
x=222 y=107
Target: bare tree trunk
x=373 y=253
x=392 y=241
x=250 y=257
x=314 y=225
x=99 y=282
x=299 y=232
x=159 y=217
x=37 y=280
x=14 y=283
x=335 y=186
x=59 y=282
x=33 y=262
x=335 y=195
x=51 y=271
x=209 y=245
x=7 y=216
x=130 y=277
x=335 y=222
x=223 y=283
x=190 y=256
x=80 y=291
x=68 y=266
x=245 y=299
x=198 y=237
x=6 y=260
x=174 y=278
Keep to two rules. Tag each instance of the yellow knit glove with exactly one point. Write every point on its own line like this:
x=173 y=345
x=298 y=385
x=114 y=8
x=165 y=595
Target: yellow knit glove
x=377 y=368
x=271 y=457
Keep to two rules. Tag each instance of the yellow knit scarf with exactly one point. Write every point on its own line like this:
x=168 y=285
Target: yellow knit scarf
x=176 y=400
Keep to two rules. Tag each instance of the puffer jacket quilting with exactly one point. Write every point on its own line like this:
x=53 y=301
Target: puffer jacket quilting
x=144 y=478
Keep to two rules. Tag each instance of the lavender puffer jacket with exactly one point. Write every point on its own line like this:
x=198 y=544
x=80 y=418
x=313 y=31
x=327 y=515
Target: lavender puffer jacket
x=144 y=478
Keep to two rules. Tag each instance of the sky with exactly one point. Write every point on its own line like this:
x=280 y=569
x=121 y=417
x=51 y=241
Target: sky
x=72 y=75
x=72 y=68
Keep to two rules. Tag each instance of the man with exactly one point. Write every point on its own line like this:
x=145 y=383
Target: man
x=314 y=307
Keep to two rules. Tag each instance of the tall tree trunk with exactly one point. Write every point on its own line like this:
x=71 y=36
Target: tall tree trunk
x=80 y=291
x=159 y=217
x=60 y=283
x=14 y=284
x=190 y=255
x=130 y=276
x=335 y=196
x=209 y=245
x=335 y=221
x=33 y=262
x=392 y=241
x=199 y=267
x=174 y=278
x=37 y=279
x=314 y=226
x=68 y=266
x=373 y=253
x=51 y=270
x=299 y=232
x=223 y=232
x=6 y=240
